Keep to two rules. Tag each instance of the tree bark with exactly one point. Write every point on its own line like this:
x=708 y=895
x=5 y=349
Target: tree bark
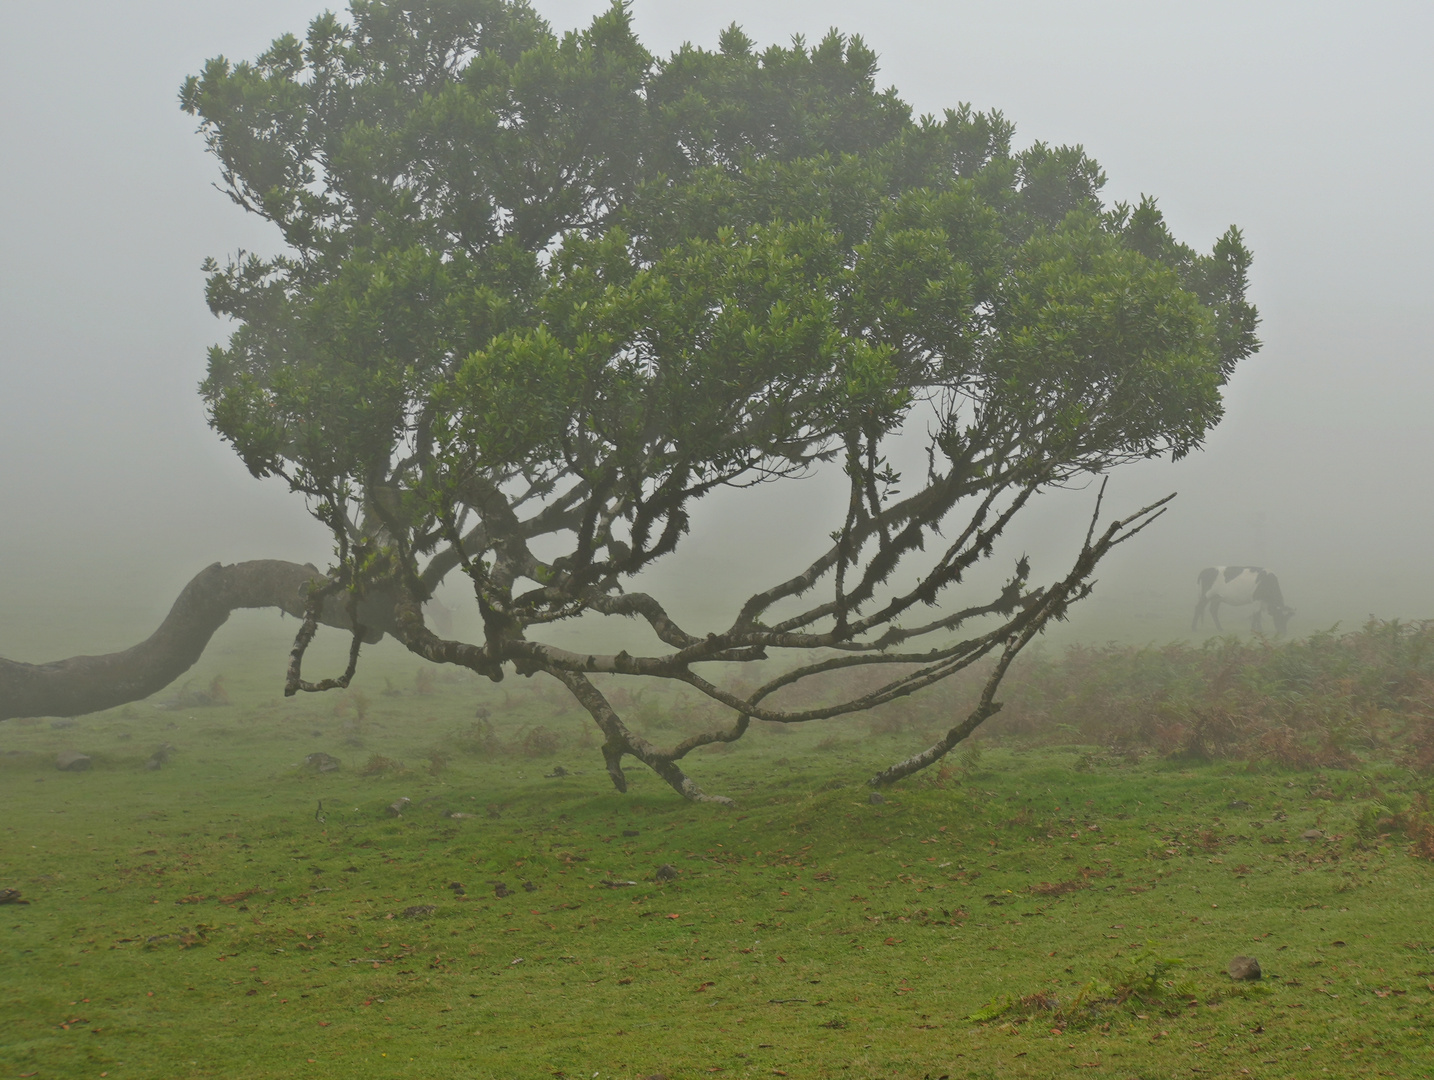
x=86 y=684
x=621 y=741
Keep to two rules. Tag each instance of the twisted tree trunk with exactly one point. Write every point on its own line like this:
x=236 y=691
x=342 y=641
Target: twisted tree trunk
x=86 y=684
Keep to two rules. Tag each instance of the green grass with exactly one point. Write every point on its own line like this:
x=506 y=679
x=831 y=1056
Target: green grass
x=202 y=920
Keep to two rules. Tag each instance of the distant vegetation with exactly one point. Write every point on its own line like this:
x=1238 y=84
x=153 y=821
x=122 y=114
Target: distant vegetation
x=1329 y=700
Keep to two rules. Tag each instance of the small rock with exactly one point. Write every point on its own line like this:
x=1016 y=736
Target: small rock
x=1238 y=804
x=72 y=761
x=666 y=872
x=321 y=762
x=456 y=815
x=396 y=809
x=418 y=911
x=1243 y=968
x=876 y=798
x=1311 y=834
x=558 y=771
x=11 y=896
x=160 y=756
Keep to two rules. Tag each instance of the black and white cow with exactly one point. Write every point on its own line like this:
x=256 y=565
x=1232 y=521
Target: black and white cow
x=1240 y=585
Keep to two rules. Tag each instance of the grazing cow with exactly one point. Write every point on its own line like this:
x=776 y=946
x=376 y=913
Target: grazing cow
x=1240 y=585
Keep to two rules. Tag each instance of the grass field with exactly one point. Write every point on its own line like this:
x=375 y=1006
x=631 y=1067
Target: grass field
x=209 y=918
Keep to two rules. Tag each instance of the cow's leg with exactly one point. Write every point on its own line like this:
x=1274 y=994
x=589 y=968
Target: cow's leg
x=1199 y=611
x=1215 y=613
x=1257 y=625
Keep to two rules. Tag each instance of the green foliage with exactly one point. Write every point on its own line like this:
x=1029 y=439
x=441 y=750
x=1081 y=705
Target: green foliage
x=1145 y=978
x=513 y=251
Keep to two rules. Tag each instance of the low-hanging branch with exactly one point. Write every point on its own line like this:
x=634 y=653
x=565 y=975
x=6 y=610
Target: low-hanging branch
x=86 y=684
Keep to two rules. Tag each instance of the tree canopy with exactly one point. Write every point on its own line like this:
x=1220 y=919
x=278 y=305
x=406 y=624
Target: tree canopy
x=542 y=293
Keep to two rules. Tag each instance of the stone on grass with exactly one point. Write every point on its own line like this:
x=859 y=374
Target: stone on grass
x=1311 y=834
x=666 y=872
x=876 y=798
x=321 y=762
x=160 y=756
x=398 y=806
x=72 y=761
x=1243 y=969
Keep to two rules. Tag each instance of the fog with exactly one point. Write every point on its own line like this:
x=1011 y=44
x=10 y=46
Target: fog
x=1306 y=125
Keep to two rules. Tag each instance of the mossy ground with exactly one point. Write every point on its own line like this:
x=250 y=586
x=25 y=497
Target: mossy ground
x=207 y=919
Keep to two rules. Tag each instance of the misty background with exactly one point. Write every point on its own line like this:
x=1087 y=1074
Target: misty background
x=1305 y=125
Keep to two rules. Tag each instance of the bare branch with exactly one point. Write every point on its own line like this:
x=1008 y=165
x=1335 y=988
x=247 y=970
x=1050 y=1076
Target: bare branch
x=1053 y=604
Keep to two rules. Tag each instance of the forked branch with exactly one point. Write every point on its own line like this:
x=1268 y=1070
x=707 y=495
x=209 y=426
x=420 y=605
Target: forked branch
x=1053 y=605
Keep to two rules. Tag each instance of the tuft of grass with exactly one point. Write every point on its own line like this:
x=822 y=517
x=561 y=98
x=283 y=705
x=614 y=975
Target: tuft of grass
x=381 y=765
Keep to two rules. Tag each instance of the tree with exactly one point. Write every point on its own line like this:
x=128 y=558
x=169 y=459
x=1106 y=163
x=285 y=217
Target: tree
x=538 y=296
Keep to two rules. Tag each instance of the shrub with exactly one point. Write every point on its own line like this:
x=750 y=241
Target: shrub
x=541 y=742
x=379 y=765
x=479 y=737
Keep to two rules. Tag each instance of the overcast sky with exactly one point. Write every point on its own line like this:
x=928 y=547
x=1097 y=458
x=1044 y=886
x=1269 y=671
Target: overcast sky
x=1305 y=124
